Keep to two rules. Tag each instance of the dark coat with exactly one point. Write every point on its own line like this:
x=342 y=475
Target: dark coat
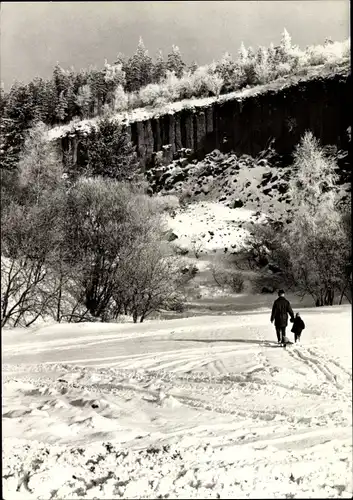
x=298 y=326
x=280 y=310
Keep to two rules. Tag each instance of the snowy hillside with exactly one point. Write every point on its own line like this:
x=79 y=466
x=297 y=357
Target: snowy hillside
x=206 y=407
x=207 y=227
x=224 y=193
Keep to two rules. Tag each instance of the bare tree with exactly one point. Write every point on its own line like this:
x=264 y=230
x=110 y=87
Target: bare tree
x=227 y=278
x=197 y=246
x=30 y=240
x=107 y=223
x=151 y=280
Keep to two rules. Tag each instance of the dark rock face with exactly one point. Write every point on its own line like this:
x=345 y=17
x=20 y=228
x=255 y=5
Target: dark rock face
x=246 y=126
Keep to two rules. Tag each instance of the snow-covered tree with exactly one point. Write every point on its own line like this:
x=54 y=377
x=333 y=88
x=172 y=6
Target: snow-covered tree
x=40 y=168
x=139 y=69
x=114 y=77
x=59 y=80
x=160 y=68
x=226 y=69
x=193 y=67
x=271 y=53
x=313 y=184
x=120 y=59
x=313 y=251
x=120 y=99
x=251 y=54
x=262 y=65
x=317 y=243
x=242 y=54
x=175 y=61
x=84 y=100
x=110 y=151
x=97 y=83
x=285 y=46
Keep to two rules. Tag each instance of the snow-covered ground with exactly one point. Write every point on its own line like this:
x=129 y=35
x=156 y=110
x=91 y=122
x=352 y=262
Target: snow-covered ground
x=209 y=226
x=188 y=408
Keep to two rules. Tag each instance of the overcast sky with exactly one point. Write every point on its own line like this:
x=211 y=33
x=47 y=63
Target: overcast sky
x=36 y=35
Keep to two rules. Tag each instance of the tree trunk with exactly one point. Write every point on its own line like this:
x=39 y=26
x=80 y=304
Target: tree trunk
x=58 y=311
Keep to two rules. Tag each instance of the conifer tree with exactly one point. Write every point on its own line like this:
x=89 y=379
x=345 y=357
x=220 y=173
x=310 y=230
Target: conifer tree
x=160 y=68
x=271 y=54
x=84 y=101
x=242 y=54
x=226 y=69
x=120 y=59
x=193 y=67
x=285 y=45
x=96 y=81
x=175 y=61
x=110 y=151
x=139 y=69
x=60 y=87
x=114 y=77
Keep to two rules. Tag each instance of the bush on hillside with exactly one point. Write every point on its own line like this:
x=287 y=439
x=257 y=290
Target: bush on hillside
x=167 y=203
x=200 y=83
x=328 y=53
x=227 y=278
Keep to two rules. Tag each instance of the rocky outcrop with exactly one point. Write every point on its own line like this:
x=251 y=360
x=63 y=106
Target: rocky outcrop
x=246 y=124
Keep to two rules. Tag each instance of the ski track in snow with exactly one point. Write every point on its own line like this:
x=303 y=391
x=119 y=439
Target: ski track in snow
x=206 y=407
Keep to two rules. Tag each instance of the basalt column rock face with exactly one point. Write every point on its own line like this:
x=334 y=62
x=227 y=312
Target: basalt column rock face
x=246 y=125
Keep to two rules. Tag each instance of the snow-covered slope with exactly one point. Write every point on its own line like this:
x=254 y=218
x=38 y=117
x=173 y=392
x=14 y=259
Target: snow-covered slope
x=206 y=407
x=205 y=227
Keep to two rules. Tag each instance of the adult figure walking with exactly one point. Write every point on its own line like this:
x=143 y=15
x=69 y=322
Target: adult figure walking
x=280 y=310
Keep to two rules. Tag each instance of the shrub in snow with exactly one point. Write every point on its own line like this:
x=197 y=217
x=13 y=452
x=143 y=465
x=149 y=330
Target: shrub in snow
x=201 y=83
x=120 y=99
x=166 y=203
x=283 y=69
x=197 y=246
x=329 y=53
x=205 y=83
x=134 y=100
x=150 y=281
x=226 y=278
x=154 y=94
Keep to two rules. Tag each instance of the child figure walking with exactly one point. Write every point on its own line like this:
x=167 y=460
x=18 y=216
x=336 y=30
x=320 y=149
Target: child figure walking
x=298 y=327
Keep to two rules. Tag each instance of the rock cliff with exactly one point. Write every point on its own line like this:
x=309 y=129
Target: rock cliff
x=246 y=122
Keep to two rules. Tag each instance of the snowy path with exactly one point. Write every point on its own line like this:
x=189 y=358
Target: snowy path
x=191 y=408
